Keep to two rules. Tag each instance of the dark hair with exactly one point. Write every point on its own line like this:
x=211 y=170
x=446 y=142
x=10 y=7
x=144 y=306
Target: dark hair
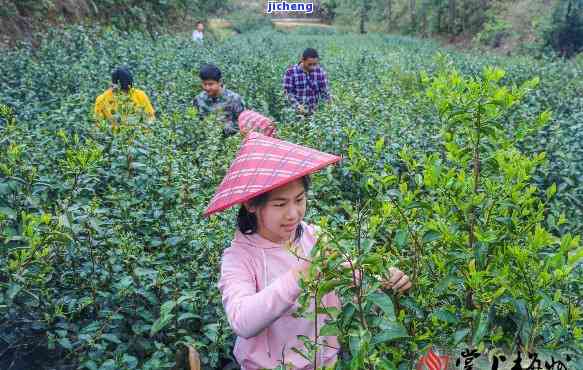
x=198 y=22
x=247 y=221
x=210 y=72
x=123 y=77
x=310 y=53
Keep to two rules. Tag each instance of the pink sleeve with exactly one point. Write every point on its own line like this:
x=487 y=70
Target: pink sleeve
x=249 y=312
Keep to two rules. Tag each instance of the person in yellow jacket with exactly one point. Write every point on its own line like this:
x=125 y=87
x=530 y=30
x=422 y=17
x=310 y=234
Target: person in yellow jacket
x=122 y=89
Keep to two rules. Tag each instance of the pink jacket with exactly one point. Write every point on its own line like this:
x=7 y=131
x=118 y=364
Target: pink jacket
x=259 y=295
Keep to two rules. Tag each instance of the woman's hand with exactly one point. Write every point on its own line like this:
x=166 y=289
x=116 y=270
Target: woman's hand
x=301 y=269
x=244 y=131
x=397 y=281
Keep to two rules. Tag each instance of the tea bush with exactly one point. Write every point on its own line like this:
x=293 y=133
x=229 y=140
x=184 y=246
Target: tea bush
x=108 y=264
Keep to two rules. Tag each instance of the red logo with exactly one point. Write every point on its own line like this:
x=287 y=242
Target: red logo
x=432 y=361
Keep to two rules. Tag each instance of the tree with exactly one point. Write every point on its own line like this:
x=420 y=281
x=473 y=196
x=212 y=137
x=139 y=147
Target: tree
x=389 y=13
x=483 y=7
x=565 y=34
x=451 y=16
x=365 y=5
x=413 y=11
x=425 y=11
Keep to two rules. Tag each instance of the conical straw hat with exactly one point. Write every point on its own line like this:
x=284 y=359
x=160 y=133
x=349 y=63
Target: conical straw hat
x=262 y=164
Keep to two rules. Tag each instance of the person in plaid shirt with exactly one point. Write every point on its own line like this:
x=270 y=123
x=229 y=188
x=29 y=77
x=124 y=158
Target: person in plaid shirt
x=216 y=99
x=306 y=83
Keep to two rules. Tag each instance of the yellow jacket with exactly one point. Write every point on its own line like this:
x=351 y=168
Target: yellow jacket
x=106 y=103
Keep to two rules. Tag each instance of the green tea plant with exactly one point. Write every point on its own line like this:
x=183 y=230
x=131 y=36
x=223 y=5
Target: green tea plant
x=467 y=223
x=109 y=264
x=71 y=243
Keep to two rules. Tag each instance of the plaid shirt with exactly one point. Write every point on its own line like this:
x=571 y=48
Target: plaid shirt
x=305 y=88
x=227 y=106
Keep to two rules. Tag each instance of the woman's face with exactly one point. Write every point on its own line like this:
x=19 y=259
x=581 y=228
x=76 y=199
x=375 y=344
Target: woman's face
x=279 y=218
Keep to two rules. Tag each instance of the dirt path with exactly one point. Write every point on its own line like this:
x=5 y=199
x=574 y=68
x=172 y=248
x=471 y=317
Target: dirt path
x=299 y=24
x=294 y=23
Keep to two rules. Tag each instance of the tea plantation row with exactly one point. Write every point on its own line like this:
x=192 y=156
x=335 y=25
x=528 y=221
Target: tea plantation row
x=107 y=262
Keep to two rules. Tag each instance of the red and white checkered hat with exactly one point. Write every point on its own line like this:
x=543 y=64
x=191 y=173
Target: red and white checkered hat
x=252 y=121
x=262 y=164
